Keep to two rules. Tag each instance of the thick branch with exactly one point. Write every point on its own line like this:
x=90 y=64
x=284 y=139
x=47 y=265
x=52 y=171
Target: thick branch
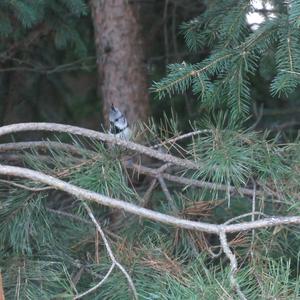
x=143 y=212
x=53 y=127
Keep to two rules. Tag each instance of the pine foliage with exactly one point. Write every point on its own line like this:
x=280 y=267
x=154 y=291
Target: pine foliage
x=164 y=262
x=58 y=16
x=234 y=54
x=49 y=248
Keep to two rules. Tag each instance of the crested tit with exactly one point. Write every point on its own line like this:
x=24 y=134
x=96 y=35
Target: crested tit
x=118 y=124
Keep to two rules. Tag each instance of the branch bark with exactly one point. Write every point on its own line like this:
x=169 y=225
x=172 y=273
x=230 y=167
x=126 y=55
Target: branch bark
x=54 y=127
x=143 y=212
x=233 y=265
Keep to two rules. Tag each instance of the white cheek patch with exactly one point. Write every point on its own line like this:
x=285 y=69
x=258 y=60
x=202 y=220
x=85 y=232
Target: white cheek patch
x=118 y=124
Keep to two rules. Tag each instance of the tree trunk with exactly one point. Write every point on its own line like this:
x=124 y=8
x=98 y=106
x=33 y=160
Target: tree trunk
x=120 y=56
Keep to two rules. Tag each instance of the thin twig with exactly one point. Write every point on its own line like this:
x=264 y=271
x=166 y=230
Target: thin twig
x=72 y=66
x=244 y=216
x=167 y=193
x=228 y=194
x=147 y=195
x=110 y=253
x=165 y=189
x=97 y=285
x=214 y=255
x=181 y=137
x=68 y=215
x=44 y=145
x=28 y=188
x=97 y=247
x=252 y=217
x=79 y=219
x=233 y=264
x=252 y=214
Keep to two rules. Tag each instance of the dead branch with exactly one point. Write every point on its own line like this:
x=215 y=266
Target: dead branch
x=143 y=212
x=54 y=127
x=43 y=145
x=233 y=264
x=181 y=137
x=193 y=182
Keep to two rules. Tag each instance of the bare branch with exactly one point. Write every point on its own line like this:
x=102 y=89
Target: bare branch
x=28 y=188
x=98 y=284
x=148 y=193
x=68 y=215
x=192 y=182
x=233 y=264
x=181 y=137
x=143 y=212
x=244 y=216
x=43 y=145
x=165 y=189
x=54 y=127
x=111 y=255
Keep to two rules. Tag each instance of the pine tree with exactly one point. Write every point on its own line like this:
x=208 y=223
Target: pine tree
x=220 y=171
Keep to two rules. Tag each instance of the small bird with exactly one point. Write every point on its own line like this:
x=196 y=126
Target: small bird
x=118 y=124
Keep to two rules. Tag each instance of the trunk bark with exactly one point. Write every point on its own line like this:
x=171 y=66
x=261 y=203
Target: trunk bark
x=120 y=57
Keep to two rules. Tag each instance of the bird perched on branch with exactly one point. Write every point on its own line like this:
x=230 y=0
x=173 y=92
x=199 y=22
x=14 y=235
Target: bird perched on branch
x=118 y=124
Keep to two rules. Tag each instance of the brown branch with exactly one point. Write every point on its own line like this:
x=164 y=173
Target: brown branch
x=143 y=212
x=54 y=127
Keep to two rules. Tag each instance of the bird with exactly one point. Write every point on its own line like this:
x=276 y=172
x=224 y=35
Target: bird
x=118 y=124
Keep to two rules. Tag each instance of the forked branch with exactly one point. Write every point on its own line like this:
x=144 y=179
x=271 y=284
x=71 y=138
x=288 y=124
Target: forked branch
x=140 y=211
